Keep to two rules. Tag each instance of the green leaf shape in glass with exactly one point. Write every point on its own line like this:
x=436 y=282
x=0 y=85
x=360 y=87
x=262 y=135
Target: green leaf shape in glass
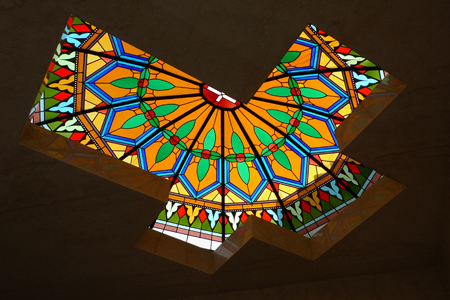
x=185 y=129
x=282 y=159
x=307 y=129
x=164 y=152
x=292 y=83
x=279 y=91
x=294 y=122
x=279 y=115
x=312 y=93
x=126 y=83
x=167 y=134
x=243 y=171
x=144 y=107
x=210 y=140
x=235 y=158
x=164 y=110
x=154 y=122
x=281 y=68
x=236 y=143
x=152 y=59
x=263 y=136
x=202 y=168
x=290 y=56
x=135 y=121
x=206 y=154
x=159 y=85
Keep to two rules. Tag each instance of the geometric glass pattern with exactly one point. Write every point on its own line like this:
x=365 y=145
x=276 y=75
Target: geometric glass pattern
x=275 y=157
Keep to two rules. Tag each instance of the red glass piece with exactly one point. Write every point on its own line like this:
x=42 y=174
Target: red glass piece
x=273 y=147
x=150 y=114
x=221 y=220
x=240 y=157
x=202 y=215
x=324 y=196
x=81 y=28
x=218 y=98
x=276 y=185
x=174 y=140
x=143 y=82
x=344 y=50
x=220 y=191
x=62 y=96
x=77 y=136
x=326 y=73
x=266 y=216
x=206 y=154
x=181 y=211
x=354 y=168
x=342 y=184
x=294 y=122
x=244 y=217
x=63 y=72
x=306 y=207
x=51 y=66
x=296 y=91
x=129 y=149
x=365 y=91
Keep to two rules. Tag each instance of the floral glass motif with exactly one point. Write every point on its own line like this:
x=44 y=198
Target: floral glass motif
x=276 y=157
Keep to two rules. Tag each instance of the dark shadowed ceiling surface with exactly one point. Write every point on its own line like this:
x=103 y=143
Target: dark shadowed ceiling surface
x=67 y=234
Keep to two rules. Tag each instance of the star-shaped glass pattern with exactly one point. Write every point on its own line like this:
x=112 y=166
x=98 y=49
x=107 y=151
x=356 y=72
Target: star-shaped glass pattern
x=275 y=157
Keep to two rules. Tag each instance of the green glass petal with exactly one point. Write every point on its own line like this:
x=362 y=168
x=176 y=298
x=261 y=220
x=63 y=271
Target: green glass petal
x=181 y=145
x=249 y=157
x=312 y=93
x=210 y=140
x=280 y=142
x=185 y=129
x=144 y=74
x=263 y=136
x=290 y=129
x=164 y=152
x=214 y=155
x=292 y=83
x=298 y=114
x=231 y=157
x=279 y=115
x=202 y=168
x=308 y=130
x=167 y=134
x=134 y=121
x=290 y=56
x=141 y=91
x=279 y=91
x=159 y=85
x=144 y=107
x=282 y=159
x=126 y=83
x=152 y=59
x=243 y=171
x=281 y=68
x=298 y=99
x=164 y=110
x=236 y=143
x=154 y=122
x=266 y=152
x=197 y=152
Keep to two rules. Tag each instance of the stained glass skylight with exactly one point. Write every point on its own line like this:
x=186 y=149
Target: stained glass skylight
x=275 y=157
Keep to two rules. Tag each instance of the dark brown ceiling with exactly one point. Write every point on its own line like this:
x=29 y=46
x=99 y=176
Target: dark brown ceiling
x=67 y=234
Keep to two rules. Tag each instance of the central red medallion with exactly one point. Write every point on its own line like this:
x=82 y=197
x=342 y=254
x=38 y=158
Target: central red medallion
x=218 y=98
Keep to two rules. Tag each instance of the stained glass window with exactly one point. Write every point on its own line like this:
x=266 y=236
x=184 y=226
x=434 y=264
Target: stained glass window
x=275 y=157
